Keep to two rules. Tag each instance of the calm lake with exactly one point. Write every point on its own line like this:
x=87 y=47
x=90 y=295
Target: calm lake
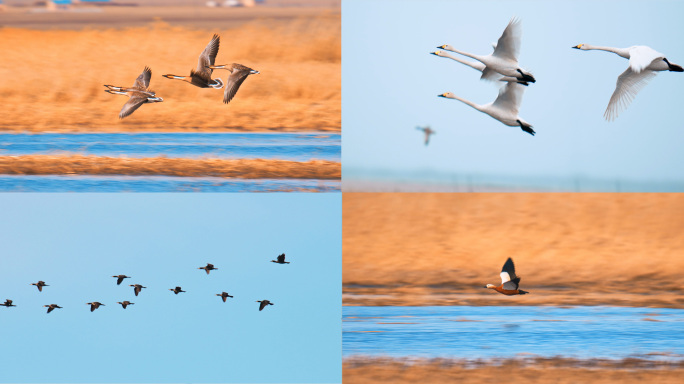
x=11 y=183
x=463 y=332
x=284 y=146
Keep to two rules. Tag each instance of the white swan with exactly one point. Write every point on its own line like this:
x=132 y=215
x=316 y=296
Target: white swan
x=477 y=66
x=504 y=108
x=428 y=131
x=504 y=59
x=644 y=62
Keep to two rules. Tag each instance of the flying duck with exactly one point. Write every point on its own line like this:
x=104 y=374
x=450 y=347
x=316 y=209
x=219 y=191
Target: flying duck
x=509 y=282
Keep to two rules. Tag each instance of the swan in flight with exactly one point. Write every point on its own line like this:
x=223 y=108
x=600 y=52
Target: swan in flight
x=477 y=66
x=504 y=59
x=504 y=108
x=644 y=62
x=427 y=131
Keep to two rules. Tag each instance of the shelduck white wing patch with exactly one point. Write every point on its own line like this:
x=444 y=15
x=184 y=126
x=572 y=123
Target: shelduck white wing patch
x=642 y=56
x=505 y=277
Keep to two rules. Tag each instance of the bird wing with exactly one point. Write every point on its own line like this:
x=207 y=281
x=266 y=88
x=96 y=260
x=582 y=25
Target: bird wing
x=119 y=280
x=206 y=269
x=508 y=271
x=136 y=100
x=512 y=285
x=510 y=97
x=508 y=46
x=143 y=81
x=207 y=57
x=490 y=74
x=262 y=305
x=236 y=78
x=629 y=83
x=281 y=258
x=210 y=266
x=642 y=56
x=427 y=137
x=50 y=309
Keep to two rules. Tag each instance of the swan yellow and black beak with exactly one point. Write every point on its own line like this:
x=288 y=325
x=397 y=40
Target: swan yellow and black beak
x=578 y=46
x=443 y=95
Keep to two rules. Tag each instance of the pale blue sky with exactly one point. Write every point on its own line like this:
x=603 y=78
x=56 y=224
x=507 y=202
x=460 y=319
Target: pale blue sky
x=390 y=84
x=75 y=242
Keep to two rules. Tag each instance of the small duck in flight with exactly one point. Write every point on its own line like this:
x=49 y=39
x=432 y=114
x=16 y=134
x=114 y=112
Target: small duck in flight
x=509 y=282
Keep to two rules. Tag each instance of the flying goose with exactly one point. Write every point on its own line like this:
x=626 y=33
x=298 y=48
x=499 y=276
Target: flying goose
x=51 y=307
x=427 y=131
x=40 y=285
x=94 y=305
x=8 y=303
x=201 y=76
x=223 y=295
x=209 y=267
x=138 y=95
x=137 y=288
x=238 y=74
x=120 y=278
x=124 y=303
x=263 y=304
x=177 y=290
x=280 y=259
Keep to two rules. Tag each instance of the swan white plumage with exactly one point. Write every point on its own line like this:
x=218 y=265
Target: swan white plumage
x=504 y=59
x=504 y=108
x=644 y=62
x=478 y=66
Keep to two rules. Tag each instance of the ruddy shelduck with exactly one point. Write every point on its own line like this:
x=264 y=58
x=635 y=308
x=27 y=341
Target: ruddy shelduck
x=509 y=281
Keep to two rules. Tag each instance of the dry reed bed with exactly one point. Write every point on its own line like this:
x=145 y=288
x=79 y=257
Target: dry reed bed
x=239 y=168
x=53 y=79
x=569 y=249
x=534 y=370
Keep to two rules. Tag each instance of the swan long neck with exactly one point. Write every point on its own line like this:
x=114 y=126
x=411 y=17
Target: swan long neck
x=466 y=62
x=623 y=52
x=476 y=106
x=471 y=55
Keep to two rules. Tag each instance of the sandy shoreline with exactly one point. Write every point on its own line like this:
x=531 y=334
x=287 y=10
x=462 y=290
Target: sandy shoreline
x=569 y=248
x=229 y=168
x=532 y=370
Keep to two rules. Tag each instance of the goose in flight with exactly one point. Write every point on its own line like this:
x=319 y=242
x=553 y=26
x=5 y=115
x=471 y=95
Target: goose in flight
x=94 y=305
x=504 y=59
x=280 y=259
x=40 y=285
x=8 y=303
x=137 y=288
x=124 y=304
x=224 y=295
x=509 y=282
x=120 y=278
x=427 y=131
x=479 y=67
x=263 y=304
x=138 y=94
x=504 y=108
x=644 y=62
x=238 y=74
x=177 y=290
x=51 y=307
x=201 y=76
x=209 y=267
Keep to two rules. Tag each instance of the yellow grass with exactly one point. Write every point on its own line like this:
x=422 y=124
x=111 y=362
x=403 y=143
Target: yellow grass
x=240 y=168
x=569 y=249
x=52 y=80
x=553 y=370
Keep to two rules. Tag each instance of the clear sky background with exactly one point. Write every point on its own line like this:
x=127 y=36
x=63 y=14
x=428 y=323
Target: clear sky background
x=390 y=84
x=76 y=242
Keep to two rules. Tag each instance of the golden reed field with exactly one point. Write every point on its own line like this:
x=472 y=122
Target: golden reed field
x=533 y=371
x=52 y=79
x=621 y=249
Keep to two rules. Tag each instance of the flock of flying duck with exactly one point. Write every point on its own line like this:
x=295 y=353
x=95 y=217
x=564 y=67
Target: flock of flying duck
x=502 y=65
x=140 y=93
x=137 y=288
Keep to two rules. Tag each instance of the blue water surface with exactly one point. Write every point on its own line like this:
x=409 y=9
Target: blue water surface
x=463 y=332
x=12 y=183
x=284 y=146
